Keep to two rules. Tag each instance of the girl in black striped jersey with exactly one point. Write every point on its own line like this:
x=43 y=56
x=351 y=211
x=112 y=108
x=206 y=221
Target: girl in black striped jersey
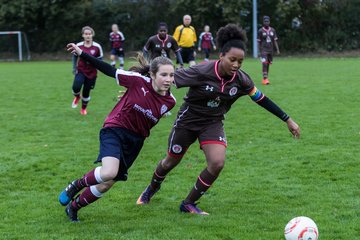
x=213 y=88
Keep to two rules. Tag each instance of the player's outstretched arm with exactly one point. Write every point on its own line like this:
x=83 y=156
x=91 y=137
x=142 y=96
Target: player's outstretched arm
x=102 y=66
x=258 y=97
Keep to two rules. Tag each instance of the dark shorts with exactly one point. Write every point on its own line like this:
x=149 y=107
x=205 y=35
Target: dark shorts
x=118 y=52
x=122 y=144
x=266 y=58
x=81 y=79
x=180 y=139
x=187 y=54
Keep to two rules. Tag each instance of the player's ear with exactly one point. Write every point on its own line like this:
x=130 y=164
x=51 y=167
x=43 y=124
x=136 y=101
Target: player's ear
x=152 y=75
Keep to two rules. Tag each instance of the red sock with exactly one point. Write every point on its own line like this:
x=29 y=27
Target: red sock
x=88 y=196
x=91 y=178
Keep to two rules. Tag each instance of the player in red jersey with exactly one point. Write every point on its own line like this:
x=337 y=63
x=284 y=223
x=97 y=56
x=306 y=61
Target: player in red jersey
x=146 y=100
x=267 y=40
x=85 y=73
x=206 y=42
x=213 y=88
x=117 y=39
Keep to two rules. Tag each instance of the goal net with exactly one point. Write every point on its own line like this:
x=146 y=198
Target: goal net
x=14 y=46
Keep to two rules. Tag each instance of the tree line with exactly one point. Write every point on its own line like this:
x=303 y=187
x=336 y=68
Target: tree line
x=302 y=25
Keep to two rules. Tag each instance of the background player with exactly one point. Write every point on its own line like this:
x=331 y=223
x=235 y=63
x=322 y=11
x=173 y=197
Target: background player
x=206 y=42
x=117 y=39
x=146 y=100
x=267 y=40
x=185 y=36
x=85 y=72
x=161 y=44
x=213 y=88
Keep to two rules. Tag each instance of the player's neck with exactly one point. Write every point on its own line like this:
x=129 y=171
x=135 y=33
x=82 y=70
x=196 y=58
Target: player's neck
x=88 y=43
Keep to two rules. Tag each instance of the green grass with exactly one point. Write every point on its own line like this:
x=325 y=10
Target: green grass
x=268 y=178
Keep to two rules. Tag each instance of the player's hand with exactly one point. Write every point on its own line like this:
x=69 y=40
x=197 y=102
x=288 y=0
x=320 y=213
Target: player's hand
x=74 y=71
x=214 y=48
x=71 y=47
x=278 y=52
x=199 y=49
x=194 y=54
x=293 y=128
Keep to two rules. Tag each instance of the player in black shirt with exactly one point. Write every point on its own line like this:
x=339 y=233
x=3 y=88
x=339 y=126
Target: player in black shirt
x=213 y=88
x=161 y=44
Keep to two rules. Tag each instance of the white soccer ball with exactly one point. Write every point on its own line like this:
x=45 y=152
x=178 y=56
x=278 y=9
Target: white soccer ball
x=301 y=228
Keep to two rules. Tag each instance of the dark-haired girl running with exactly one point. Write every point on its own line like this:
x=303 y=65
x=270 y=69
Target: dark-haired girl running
x=213 y=88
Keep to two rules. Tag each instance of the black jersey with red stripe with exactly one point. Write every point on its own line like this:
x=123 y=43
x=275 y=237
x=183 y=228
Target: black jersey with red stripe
x=161 y=47
x=210 y=96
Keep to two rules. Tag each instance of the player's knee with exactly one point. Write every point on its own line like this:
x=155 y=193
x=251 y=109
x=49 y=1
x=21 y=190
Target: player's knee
x=108 y=174
x=215 y=167
x=104 y=187
x=170 y=162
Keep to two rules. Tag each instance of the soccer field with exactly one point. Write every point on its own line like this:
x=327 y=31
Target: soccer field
x=268 y=178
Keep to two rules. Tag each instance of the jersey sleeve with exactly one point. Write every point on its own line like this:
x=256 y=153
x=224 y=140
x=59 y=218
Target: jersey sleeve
x=275 y=35
x=174 y=44
x=259 y=35
x=101 y=54
x=128 y=79
x=194 y=35
x=147 y=46
x=177 y=34
x=187 y=77
x=247 y=85
x=122 y=36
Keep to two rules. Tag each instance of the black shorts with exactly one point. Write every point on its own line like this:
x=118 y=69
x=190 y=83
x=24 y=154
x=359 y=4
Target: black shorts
x=187 y=54
x=118 y=52
x=181 y=138
x=122 y=144
x=266 y=58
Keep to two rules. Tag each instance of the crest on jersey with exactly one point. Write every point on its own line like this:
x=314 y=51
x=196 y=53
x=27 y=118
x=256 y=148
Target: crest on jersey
x=233 y=91
x=176 y=148
x=168 y=45
x=163 y=109
x=92 y=51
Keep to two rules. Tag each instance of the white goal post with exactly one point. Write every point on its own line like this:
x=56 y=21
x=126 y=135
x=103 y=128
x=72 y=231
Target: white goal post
x=22 y=45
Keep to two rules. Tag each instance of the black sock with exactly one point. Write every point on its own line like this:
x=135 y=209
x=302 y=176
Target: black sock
x=203 y=183
x=158 y=176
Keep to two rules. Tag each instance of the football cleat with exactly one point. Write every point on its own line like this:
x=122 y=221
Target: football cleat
x=75 y=102
x=191 y=208
x=71 y=213
x=69 y=193
x=265 y=81
x=146 y=195
x=83 y=111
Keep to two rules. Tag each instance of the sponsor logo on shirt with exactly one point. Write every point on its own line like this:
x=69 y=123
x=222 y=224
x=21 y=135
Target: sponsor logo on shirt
x=214 y=103
x=168 y=45
x=233 y=91
x=147 y=113
x=176 y=148
x=163 y=109
x=92 y=51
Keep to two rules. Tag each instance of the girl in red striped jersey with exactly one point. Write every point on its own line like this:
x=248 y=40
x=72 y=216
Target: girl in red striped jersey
x=145 y=101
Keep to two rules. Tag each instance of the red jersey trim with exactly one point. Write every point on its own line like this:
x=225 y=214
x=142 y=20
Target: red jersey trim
x=212 y=142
